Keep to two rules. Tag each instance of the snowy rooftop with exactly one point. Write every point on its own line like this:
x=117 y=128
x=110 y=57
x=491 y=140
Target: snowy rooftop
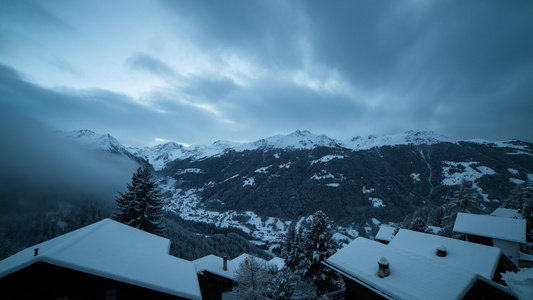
x=477 y=258
x=277 y=262
x=214 y=264
x=112 y=250
x=507 y=229
x=412 y=276
x=385 y=233
x=507 y=213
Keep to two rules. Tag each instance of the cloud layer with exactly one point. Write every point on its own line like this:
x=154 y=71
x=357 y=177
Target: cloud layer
x=201 y=71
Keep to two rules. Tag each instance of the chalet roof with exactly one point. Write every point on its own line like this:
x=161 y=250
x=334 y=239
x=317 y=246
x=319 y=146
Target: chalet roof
x=385 y=233
x=507 y=229
x=214 y=264
x=278 y=262
x=412 y=276
x=507 y=213
x=477 y=258
x=112 y=250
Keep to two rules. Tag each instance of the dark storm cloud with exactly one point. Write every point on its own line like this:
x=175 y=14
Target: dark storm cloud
x=38 y=168
x=449 y=60
x=284 y=105
x=267 y=31
x=430 y=62
x=107 y=112
x=343 y=68
x=147 y=63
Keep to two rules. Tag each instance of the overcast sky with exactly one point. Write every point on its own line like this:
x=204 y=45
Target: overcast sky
x=200 y=71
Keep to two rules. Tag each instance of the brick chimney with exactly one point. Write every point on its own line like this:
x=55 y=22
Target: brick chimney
x=383 y=268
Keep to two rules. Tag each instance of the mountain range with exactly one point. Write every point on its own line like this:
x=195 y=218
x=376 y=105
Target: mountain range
x=360 y=182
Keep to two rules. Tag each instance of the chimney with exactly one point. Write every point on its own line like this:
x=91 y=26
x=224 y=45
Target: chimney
x=36 y=251
x=441 y=251
x=225 y=264
x=383 y=267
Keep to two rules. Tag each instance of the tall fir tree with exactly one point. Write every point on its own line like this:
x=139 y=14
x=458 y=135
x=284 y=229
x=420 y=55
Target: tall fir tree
x=141 y=206
x=320 y=246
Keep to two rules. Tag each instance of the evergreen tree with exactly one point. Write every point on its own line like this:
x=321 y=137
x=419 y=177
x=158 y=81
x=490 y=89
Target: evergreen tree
x=320 y=245
x=141 y=206
x=419 y=225
x=289 y=248
x=287 y=286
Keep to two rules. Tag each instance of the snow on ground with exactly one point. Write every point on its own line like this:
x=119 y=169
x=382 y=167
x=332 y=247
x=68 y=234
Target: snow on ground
x=270 y=230
x=323 y=174
x=190 y=170
x=232 y=177
x=516 y=181
x=327 y=158
x=376 y=221
x=529 y=177
x=376 y=202
x=262 y=170
x=415 y=176
x=333 y=184
x=367 y=191
x=513 y=171
x=519 y=153
x=521 y=283
x=249 y=181
x=286 y=166
x=504 y=144
x=456 y=172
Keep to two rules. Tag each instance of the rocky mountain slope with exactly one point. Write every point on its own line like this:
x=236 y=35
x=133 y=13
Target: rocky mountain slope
x=360 y=182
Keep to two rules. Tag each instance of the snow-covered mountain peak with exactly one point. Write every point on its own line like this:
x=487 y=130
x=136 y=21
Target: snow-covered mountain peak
x=416 y=137
x=95 y=140
x=425 y=136
x=296 y=140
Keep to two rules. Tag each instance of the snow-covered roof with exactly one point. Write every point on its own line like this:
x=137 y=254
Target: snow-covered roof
x=385 y=233
x=477 y=258
x=214 y=264
x=507 y=213
x=277 y=262
x=412 y=276
x=507 y=229
x=112 y=250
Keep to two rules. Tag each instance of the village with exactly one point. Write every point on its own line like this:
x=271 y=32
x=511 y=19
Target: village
x=110 y=260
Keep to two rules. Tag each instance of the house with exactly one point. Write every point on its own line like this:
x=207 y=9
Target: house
x=507 y=213
x=385 y=234
x=502 y=232
x=217 y=274
x=480 y=259
x=418 y=266
x=105 y=260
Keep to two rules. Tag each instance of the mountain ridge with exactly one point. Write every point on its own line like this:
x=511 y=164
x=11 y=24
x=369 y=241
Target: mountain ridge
x=262 y=186
x=162 y=154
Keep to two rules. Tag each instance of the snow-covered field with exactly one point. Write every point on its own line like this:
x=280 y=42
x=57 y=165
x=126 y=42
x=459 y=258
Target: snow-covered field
x=456 y=172
x=268 y=230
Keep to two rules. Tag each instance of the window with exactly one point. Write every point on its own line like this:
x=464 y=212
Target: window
x=111 y=295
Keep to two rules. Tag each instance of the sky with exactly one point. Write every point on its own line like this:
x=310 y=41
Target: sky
x=196 y=72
